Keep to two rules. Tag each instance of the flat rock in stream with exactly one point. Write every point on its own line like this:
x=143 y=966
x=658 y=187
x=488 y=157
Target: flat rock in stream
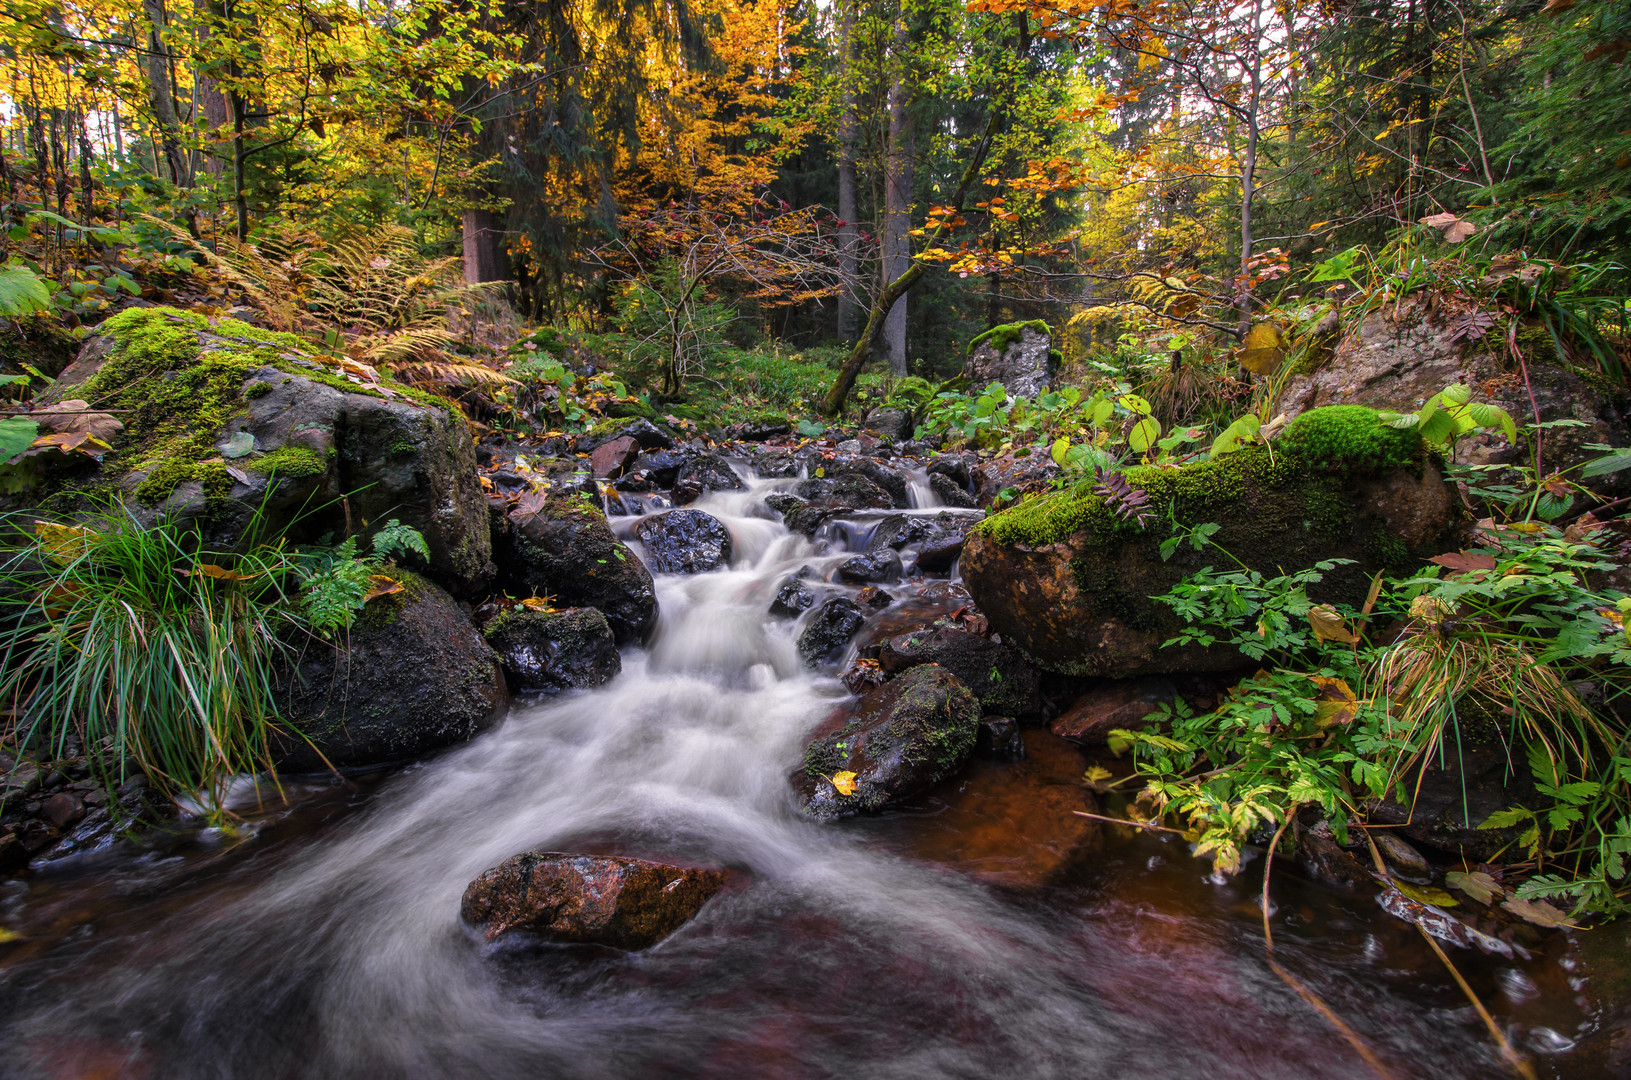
x=587 y=899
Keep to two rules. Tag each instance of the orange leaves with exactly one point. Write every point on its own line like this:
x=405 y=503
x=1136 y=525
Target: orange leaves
x=844 y=782
x=381 y=585
x=217 y=573
x=1335 y=704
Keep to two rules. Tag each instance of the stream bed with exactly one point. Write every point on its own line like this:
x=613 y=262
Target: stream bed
x=981 y=931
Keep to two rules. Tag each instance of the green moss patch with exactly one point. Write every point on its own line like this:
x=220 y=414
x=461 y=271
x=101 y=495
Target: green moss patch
x=1350 y=438
x=1000 y=337
x=290 y=462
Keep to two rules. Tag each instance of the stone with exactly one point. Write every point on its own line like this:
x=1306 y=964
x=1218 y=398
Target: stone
x=863 y=676
x=622 y=903
x=1325 y=861
x=773 y=464
x=850 y=491
x=701 y=474
x=563 y=548
x=544 y=652
x=873 y=597
x=1121 y=704
x=956 y=467
x=996 y=674
x=783 y=502
x=1070 y=582
x=62 y=810
x=648 y=435
x=898 y=530
x=912 y=732
x=331 y=453
x=792 y=599
x=949 y=491
x=412 y=676
x=1399 y=356
x=829 y=632
x=661 y=466
x=1406 y=861
x=889 y=423
x=1017 y=355
x=610 y=459
x=999 y=738
x=871 y=567
x=685 y=542
x=1012 y=473
x=762 y=429
x=891 y=480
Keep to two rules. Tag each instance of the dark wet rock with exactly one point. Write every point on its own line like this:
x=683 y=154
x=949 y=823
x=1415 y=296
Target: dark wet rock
x=661 y=466
x=792 y=599
x=939 y=550
x=864 y=676
x=807 y=520
x=998 y=676
x=783 y=502
x=564 y=548
x=1124 y=703
x=548 y=651
x=413 y=675
x=1019 y=355
x=850 y=491
x=306 y=453
x=891 y=480
x=702 y=474
x=1447 y=805
x=871 y=567
x=874 y=597
x=829 y=632
x=648 y=435
x=61 y=810
x=685 y=542
x=889 y=423
x=762 y=429
x=908 y=734
x=772 y=464
x=610 y=459
x=1406 y=861
x=999 y=738
x=1071 y=583
x=957 y=467
x=1013 y=474
x=950 y=492
x=898 y=530
x=1325 y=860
x=587 y=899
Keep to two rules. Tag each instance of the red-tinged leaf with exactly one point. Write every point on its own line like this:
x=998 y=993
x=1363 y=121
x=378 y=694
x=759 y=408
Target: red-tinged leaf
x=1465 y=562
x=530 y=502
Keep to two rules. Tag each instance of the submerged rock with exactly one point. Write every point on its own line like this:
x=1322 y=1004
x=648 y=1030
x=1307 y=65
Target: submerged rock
x=829 y=632
x=562 y=547
x=997 y=675
x=1121 y=704
x=411 y=676
x=908 y=734
x=1070 y=582
x=548 y=651
x=587 y=899
x=685 y=542
x=792 y=599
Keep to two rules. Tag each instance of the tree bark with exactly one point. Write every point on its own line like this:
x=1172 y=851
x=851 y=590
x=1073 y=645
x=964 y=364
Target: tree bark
x=849 y=232
x=159 y=90
x=897 y=241
x=900 y=286
x=484 y=258
x=1248 y=171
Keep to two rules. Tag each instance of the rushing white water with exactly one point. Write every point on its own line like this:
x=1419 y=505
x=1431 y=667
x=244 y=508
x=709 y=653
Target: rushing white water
x=841 y=954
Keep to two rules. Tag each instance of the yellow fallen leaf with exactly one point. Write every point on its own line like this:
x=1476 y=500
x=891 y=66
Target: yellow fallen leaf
x=1336 y=702
x=64 y=543
x=539 y=603
x=1330 y=626
x=844 y=782
x=382 y=586
x=219 y=573
x=1426 y=894
x=1263 y=349
x=1478 y=885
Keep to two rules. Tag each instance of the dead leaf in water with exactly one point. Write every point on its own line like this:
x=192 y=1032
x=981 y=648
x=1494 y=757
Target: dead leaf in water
x=1478 y=885
x=1426 y=894
x=1538 y=912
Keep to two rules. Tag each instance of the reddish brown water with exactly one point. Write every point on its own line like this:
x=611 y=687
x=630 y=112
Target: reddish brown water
x=982 y=931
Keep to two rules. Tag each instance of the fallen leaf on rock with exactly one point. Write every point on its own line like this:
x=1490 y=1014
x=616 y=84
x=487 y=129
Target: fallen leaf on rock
x=1478 y=885
x=1538 y=912
x=844 y=782
x=382 y=586
x=64 y=543
x=539 y=603
x=69 y=441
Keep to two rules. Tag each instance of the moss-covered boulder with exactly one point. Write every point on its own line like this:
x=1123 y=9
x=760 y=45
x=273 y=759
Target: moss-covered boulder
x=908 y=734
x=563 y=548
x=1018 y=355
x=544 y=652
x=1069 y=582
x=413 y=675
x=224 y=421
x=994 y=673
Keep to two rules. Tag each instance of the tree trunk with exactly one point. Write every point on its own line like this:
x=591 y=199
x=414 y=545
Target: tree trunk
x=159 y=91
x=484 y=257
x=849 y=232
x=1248 y=171
x=897 y=241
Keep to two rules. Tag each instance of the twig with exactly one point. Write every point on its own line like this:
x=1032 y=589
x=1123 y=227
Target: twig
x=1128 y=823
x=1296 y=984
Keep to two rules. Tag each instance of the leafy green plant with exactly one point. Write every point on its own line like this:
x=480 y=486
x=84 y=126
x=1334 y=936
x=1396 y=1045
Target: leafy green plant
x=337 y=582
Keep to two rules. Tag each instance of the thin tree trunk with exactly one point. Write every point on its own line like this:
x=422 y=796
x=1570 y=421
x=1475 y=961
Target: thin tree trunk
x=849 y=231
x=1248 y=172
x=159 y=92
x=897 y=241
x=483 y=248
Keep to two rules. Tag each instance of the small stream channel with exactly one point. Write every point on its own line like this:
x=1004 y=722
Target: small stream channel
x=982 y=931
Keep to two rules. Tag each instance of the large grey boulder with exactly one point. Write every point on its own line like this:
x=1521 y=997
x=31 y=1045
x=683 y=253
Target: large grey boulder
x=224 y=423
x=1018 y=355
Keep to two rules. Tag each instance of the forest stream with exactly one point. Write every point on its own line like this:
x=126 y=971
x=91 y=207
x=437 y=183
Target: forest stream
x=984 y=930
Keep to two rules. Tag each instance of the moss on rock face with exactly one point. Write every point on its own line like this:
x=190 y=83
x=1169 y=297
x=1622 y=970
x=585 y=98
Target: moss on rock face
x=1000 y=337
x=1070 y=582
x=289 y=461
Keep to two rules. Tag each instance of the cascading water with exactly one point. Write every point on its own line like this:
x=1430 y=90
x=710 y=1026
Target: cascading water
x=330 y=946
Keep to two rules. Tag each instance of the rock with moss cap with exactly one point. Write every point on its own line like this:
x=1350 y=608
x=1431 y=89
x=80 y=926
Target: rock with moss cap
x=411 y=676
x=1069 y=582
x=225 y=422
x=544 y=652
x=1018 y=355
x=562 y=547
x=903 y=737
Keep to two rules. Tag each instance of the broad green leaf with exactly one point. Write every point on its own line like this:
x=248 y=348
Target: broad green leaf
x=22 y=293
x=17 y=433
x=1061 y=447
x=1135 y=404
x=1144 y=434
x=1456 y=394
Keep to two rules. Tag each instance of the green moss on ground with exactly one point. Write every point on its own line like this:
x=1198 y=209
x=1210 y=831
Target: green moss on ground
x=1000 y=337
